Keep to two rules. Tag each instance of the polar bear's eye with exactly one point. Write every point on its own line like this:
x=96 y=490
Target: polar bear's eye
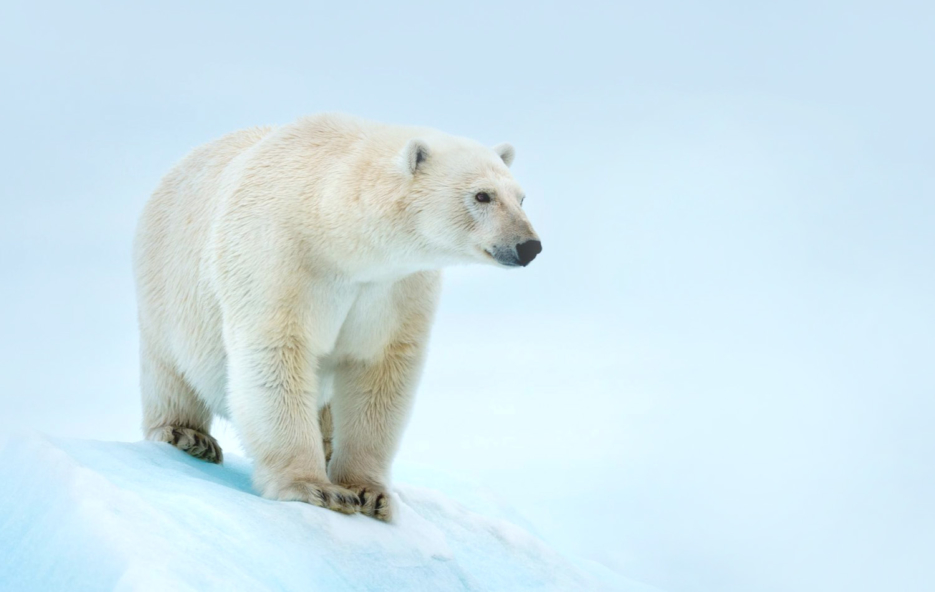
x=483 y=197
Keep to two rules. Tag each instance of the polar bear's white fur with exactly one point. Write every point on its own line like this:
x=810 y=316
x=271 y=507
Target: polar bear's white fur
x=288 y=272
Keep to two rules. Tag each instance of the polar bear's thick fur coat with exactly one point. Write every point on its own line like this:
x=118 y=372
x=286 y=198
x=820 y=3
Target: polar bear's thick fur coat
x=287 y=280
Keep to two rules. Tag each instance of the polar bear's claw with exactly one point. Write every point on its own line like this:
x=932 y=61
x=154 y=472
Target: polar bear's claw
x=323 y=495
x=189 y=440
x=374 y=502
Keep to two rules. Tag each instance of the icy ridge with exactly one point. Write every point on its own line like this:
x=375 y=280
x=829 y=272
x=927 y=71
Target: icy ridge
x=84 y=515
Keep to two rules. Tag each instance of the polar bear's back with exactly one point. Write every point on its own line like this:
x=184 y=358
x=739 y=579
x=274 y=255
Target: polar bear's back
x=175 y=222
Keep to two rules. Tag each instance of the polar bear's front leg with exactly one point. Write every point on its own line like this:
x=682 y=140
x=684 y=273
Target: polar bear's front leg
x=370 y=407
x=273 y=395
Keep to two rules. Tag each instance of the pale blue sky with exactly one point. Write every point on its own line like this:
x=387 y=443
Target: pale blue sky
x=719 y=373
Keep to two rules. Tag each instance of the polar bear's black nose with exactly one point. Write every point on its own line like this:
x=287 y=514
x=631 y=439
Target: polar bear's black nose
x=527 y=251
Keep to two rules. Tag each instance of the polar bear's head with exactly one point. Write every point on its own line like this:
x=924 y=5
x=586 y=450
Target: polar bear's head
x=466 y=204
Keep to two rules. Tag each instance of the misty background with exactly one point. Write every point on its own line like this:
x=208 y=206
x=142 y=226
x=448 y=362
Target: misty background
x=719 y=373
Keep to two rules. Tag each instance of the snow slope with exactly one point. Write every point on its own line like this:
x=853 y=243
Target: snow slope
x=81 y=515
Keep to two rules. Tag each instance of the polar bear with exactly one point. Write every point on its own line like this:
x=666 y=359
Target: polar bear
x=287 y=280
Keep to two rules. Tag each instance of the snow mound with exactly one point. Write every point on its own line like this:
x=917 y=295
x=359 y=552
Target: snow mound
x=80 y=515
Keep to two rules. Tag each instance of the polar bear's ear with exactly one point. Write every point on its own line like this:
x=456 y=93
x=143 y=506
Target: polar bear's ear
x=506 y=152
x=414 y=154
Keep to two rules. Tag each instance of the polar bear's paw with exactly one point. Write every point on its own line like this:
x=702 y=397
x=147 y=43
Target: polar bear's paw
x=323 y=495
x=197 y=444
x=375 y=501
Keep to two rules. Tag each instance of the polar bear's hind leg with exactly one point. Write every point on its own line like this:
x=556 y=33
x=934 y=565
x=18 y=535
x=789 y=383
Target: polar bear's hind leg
x=173 y=413
x=327 y=430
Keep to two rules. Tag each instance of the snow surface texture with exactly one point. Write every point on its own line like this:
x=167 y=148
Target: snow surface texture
x=82 y=515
